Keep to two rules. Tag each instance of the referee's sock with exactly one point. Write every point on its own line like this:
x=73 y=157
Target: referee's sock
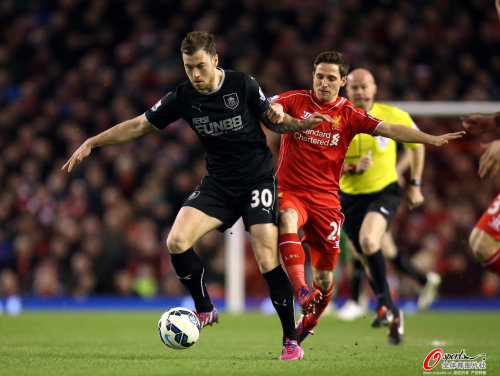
x=281 y=294
x=191 y=273
x=403 y=262
x=376 y=262
x=356 y=280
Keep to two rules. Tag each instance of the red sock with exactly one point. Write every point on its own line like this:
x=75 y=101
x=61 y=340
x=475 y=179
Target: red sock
x=312 y=319
x=493 y=263
x=293 y=257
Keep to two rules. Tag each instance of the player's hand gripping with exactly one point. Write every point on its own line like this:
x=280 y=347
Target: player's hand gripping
x=490 y=160
x=275 y=113
x=316 y=118
x=443 y=139
x=82 y=152
x=478 y=123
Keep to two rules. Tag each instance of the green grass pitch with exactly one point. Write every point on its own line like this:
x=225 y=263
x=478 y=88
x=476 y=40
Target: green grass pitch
x=111 y=343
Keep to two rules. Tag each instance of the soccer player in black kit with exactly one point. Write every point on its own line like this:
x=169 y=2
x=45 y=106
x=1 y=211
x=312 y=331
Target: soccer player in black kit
x=223 y=108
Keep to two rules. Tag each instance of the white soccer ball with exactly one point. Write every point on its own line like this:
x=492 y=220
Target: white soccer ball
x=179 y=328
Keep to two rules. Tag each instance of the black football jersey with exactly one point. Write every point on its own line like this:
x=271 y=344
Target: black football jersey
x=227 y=123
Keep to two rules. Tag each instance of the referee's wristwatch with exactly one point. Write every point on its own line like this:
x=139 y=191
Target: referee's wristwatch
x=416 y=182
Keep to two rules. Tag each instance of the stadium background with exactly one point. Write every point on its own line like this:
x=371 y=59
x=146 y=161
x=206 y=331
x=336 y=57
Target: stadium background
x=70 y=69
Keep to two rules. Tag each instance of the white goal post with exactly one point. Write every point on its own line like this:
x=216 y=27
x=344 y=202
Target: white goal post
x=235 y=236
x=234 y=245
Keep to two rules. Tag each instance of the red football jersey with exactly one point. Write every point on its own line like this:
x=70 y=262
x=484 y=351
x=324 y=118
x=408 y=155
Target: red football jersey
x=311 y=162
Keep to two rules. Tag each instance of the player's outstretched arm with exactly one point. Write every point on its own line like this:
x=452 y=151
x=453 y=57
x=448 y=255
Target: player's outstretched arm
x=118 y=134
x=403 y=133
x=480 y=123
x=278 y=121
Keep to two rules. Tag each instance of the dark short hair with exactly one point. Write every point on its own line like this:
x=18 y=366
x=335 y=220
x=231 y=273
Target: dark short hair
x=198 y=40
x=332 y=57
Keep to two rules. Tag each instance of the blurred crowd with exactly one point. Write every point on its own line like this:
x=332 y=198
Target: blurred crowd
x=72 y=68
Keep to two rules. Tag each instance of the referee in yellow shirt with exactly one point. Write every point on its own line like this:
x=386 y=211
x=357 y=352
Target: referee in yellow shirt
x=370 y=194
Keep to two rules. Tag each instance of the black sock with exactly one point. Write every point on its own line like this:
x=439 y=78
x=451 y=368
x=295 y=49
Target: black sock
x=372 y=286
x=376 y=262
x=191 y=273
x=281 y=294
x=356 y=280
x=405 y=265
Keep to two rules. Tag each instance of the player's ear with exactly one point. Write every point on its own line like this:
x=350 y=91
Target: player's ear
x=216 y=59
x=343 y=81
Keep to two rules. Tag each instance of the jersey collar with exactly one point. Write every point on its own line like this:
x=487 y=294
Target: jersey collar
x=323 y=105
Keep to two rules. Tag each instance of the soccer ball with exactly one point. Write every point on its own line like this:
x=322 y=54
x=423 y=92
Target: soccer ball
x=179 y=328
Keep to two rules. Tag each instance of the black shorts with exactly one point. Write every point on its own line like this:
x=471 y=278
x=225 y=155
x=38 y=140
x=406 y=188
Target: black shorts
x=355 y=208
x=255 y=204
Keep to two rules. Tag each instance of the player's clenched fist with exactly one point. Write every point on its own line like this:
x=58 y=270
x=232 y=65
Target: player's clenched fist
x=275 y=113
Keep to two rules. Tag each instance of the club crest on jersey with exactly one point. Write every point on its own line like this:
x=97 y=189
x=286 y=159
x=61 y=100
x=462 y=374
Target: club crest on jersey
x=231 y=100
x=336 y=123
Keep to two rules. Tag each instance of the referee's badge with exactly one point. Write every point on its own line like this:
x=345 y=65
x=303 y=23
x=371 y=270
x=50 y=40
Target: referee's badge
x=231 y=100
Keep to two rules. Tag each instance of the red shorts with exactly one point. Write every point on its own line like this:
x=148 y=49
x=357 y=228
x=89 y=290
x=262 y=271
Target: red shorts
x=490 y=220
x=321 y=230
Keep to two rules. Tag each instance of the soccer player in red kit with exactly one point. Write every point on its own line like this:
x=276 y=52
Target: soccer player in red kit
x=309 y=168
x=484 y=239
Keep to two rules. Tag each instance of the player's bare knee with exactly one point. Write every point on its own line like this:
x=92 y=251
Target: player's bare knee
x=324 y=283
x=368 y=244
x=177 y=243
x=267 y=260
x=288 y=220
x=323 y=278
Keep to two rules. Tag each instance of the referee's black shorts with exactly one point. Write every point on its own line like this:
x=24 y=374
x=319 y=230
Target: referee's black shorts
x=355 y=208
x=256 y=204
